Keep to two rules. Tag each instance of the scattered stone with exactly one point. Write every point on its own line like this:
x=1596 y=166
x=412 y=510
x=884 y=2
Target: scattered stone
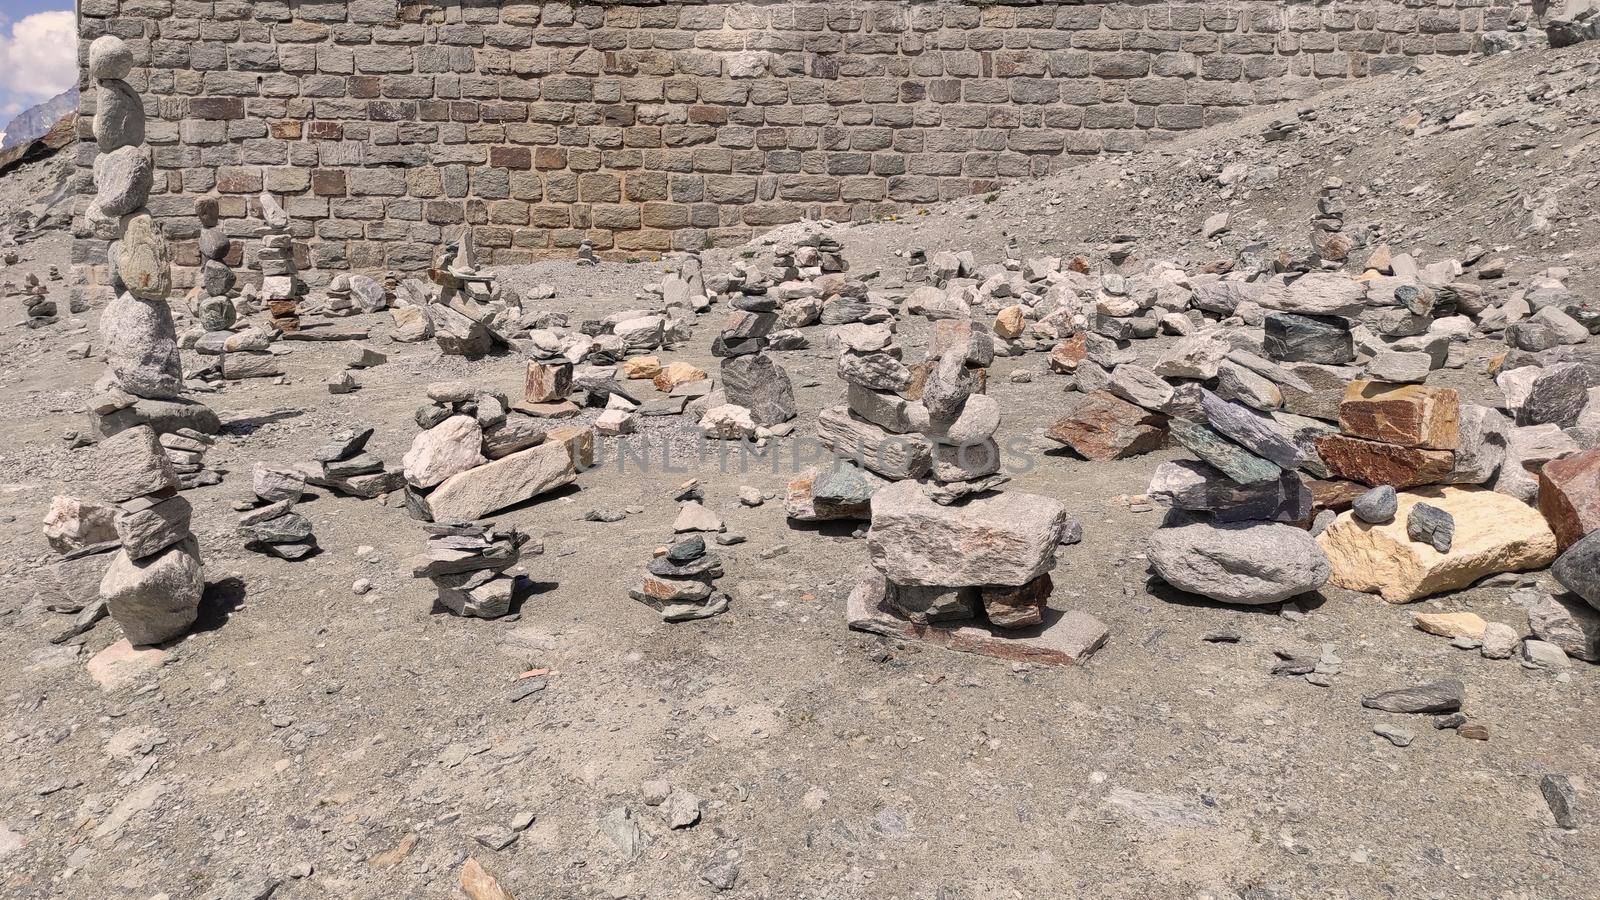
x=1444 y=696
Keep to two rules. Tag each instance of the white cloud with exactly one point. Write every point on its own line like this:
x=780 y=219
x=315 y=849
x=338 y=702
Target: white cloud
x=38 y=58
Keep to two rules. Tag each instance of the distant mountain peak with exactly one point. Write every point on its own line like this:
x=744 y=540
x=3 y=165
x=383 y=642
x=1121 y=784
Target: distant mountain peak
x=36 y=120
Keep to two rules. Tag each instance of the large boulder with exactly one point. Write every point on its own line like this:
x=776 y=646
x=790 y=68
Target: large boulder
x=1008 y=539
x=141 y=347
x=157 y=598
x=1569 y=496
x=133 y=463
x=443 y=451
x=1247 y=563
x=1578 y=569
x=514 y=479
x=73 y=524
x=1493 y=533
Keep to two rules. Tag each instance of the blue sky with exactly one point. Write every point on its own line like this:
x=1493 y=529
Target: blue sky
x=38 y=53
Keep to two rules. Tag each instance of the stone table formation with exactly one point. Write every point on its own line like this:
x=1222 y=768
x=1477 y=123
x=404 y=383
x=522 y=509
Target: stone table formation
x=144 y=379
x=153 y=586
x=972 y=576
x=467 y=564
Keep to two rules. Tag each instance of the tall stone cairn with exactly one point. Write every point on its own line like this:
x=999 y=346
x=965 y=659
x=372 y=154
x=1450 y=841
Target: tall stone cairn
x=141 y=343
x=212 y=305
x=281 y=286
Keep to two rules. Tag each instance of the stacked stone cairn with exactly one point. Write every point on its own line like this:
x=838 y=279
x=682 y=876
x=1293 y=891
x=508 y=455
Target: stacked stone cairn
x=680 y=582
x=467 y=563
x=474 y=457
x=153 y=586
x=186 y=449
x=1329 y=242
x=144 y=381
x=471 y=313
x=281 y=286
x=211 y=301
x=346 y=467
x=36 y=302
x=350 y=295
x=875 y=438
x=273 y=527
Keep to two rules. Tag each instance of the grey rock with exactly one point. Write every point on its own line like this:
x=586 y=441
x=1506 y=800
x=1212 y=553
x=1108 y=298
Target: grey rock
x=132 y=464
x=1394 y=734
x=757 y=383
x=1483 y=445
x=1560 y=796
x=147 y=526
x=1565 y=622
x=1377 y=506
x=1006 y=539
x=1260 y=434
x=1431 y=525
x=118 y=116
x=1244 y=563
x=1578 y=569
x=157 y=598
x=141 y=347
x=1303 y=338
x=122 y=180
x=141 y=262
x=109 y=58
x=1437 y=697
x=1543 y=655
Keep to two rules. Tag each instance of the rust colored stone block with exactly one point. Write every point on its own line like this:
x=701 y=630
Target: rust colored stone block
x=511 y=157
x=1411 y=415
x=1569 y=496
x=1017 y=607
x=547 y=382
x=1105 y=427
x=1374 y=463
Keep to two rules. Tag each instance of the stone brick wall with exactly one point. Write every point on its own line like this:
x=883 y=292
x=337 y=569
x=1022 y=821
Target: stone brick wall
x=646 y=126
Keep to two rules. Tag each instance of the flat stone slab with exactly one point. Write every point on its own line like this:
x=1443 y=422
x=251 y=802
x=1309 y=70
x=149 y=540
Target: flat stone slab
x=1064 y=639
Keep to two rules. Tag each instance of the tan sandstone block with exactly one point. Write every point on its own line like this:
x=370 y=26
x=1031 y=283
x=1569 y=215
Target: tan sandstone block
x=1494 y=533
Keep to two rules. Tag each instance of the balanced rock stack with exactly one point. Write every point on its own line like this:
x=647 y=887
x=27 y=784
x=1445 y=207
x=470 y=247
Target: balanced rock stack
x=875 y=438
x=548 y=382
x=344 y=466
x=467 y=564
x=1328 y=240
x=186 y=449
x=1442 y=532
x=973 y=576
x=680 y=582
x=1236 y=532
x=153 y=586
x=474 y=458
x=275 y=529
x=281 y=286
x=471 y=311
x=211 y=303
x=753 y=318
x=144 y=371
x=36 y=302
x=352 y=294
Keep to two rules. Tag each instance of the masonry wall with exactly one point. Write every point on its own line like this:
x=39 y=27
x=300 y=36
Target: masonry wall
x=648 y=126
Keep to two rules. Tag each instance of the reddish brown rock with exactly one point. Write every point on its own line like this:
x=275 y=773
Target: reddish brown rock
x=547 y=382
x=1569 y=496
x=1065 y=356
x=1105 y=427
x=1411 y=415
x=1373 y=463
x=1017 y=607
x=1333 y=494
